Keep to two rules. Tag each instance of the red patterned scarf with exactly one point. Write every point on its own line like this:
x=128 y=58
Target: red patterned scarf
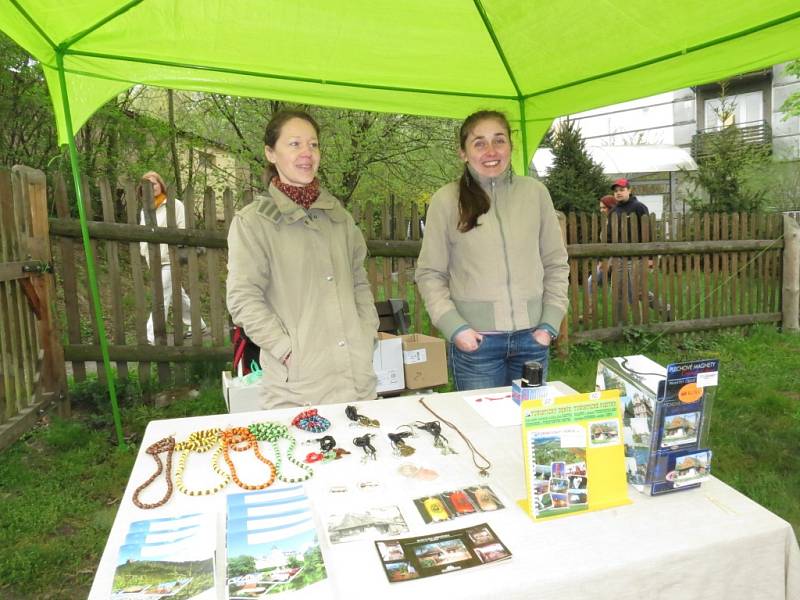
x=304 y=195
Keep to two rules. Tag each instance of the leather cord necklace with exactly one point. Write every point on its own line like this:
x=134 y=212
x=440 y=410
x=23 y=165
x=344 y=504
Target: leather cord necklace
x=167 y=445
x=241 y=439
x=483 y=469
x=200 y=441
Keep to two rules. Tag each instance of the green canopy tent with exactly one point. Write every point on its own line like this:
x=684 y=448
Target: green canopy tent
x=534 y=60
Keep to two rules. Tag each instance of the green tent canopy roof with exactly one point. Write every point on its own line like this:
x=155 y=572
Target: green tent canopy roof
x=534 y=60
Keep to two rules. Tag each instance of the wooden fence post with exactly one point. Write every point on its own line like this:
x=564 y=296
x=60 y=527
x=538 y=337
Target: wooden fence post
x=791 y=274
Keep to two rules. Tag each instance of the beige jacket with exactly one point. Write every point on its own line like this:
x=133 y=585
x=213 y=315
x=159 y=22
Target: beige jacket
x=507 y=274
x=297 y=283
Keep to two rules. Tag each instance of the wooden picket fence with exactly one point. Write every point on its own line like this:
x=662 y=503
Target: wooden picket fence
x=694 y=272
x=32 y=374
x=697 y=272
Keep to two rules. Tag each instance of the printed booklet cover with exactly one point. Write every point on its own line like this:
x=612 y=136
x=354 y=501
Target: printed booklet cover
x=446 y=552
x=272 y=544
x=573 y=456
x=167 y=558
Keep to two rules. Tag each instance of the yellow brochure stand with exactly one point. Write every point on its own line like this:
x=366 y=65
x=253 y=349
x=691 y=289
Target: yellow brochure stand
x=573 y=454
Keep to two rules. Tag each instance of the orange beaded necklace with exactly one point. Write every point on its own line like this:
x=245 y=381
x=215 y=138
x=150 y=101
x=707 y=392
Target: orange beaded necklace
x=241 y=439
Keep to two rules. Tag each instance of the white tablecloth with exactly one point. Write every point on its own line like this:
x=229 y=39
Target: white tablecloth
x=709 y=543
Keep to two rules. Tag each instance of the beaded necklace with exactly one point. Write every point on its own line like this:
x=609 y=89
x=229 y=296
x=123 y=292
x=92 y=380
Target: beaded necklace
x=240 y=439
x=200 y=441
x=167 y=445
x=273 y=433
x=310 y=420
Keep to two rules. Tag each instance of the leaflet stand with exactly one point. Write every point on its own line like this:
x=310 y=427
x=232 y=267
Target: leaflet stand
x=666 y=418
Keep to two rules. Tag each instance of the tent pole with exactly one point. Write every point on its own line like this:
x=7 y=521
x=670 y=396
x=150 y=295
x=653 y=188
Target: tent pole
x=523 y=125
x=87 y=249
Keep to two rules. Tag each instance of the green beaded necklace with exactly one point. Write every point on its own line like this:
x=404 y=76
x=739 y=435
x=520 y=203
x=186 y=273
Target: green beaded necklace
x=273 y=433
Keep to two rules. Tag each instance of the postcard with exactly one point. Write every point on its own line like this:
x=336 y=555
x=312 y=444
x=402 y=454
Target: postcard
x=446 y=552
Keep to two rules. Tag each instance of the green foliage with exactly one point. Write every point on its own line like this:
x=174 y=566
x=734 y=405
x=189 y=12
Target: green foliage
x=241 y=565
x=728 y=164
x=791 y=106
x=575 y=181
x=27 y=125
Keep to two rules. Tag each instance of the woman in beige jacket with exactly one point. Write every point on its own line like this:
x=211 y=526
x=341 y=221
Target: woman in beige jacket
x=296 y=279
x=493 y=267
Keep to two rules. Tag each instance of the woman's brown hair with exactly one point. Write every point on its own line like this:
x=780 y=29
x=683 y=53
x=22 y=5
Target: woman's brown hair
x=472 y=199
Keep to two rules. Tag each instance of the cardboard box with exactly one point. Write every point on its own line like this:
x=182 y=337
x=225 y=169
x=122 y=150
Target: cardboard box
x=241 y=399
x=520 y=394
x=424 y=361
x=387 y=362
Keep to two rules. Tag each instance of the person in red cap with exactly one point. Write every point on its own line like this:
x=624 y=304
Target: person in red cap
x=627 y=205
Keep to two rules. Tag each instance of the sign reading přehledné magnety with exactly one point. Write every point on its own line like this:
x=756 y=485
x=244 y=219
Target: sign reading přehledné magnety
x=574 y=457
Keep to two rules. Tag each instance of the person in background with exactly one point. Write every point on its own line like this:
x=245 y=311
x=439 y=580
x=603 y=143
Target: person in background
x=628 y=205
x=493 y=266
x=606 y=205
x=160 y=207
x=296 y=278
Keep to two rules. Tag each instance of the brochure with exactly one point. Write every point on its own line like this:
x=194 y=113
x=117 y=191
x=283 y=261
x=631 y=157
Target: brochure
x=272 y=544
x=446 y=552
x=573 y=455
x=167 y=558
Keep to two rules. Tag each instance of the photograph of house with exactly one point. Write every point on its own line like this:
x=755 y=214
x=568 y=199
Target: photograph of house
x=680 y=429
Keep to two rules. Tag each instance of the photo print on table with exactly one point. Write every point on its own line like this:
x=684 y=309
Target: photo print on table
x=559 y=453
x=366 y=524
x=449 y=551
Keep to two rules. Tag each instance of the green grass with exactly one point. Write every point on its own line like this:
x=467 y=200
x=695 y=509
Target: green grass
x=60 y=485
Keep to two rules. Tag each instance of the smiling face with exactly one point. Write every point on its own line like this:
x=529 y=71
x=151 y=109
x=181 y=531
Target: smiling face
x=295 y=153
x=487 y=148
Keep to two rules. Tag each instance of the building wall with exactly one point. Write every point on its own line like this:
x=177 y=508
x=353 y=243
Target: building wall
x=785 y=132
x=674 y=117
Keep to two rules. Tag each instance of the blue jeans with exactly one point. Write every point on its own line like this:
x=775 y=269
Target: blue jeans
x=498 y=360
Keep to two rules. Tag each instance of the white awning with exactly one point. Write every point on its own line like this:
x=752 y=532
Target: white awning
x=626 y=160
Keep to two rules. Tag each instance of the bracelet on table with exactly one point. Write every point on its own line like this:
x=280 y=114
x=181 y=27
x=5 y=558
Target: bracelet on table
x=240 y=439
x=273 y=433
x=327 y=450
x=200 y=441
x=310 y=420
x=352 y=414
x=167 y=445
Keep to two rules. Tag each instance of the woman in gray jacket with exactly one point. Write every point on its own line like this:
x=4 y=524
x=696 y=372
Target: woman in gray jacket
x=296 y=278
x=493 y=266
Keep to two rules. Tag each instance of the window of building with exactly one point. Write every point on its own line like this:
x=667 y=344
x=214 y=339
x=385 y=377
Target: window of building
x=737 y=109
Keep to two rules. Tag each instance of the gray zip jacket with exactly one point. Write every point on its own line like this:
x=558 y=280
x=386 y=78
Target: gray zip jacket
x=507 y=274
x=297 y=284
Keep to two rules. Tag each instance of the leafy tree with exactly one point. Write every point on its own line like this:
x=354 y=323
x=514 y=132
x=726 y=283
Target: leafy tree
x=791 y=105
x=725 y=169
x=241 y=565
x=575 y=181
x=27 y=128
